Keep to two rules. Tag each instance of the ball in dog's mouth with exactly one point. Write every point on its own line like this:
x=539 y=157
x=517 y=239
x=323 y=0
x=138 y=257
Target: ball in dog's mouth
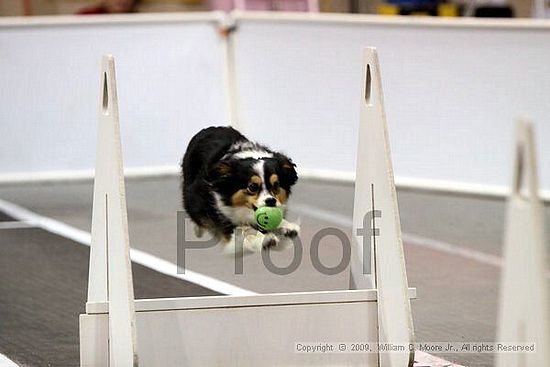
x=268 y=217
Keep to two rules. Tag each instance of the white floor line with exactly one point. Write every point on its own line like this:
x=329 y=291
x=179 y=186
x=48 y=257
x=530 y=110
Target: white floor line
x=137 y=256
x=16 y=224
x=6 y=362
x=408 y=238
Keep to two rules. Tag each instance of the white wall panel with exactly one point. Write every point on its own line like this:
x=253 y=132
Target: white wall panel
x=452 y=90
x=170 y=84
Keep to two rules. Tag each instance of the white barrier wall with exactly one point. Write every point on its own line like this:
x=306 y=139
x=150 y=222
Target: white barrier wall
x=171 y=83
x=453 y=89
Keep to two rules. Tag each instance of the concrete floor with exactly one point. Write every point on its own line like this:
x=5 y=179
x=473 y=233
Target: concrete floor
x=457 y=295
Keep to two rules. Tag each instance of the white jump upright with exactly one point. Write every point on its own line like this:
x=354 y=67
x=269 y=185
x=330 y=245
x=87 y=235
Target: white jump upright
x=110 y=277
x=524 y=314
x=248 y=331
x=378 y=260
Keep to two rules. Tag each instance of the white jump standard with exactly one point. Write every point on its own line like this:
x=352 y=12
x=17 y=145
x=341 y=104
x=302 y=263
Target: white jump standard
x=524 y=311
x=258 y=330
x=110 y=277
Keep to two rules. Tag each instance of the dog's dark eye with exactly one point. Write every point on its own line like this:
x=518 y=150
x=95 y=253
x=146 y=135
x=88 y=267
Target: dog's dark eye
x=253 y=188
x=275 y=186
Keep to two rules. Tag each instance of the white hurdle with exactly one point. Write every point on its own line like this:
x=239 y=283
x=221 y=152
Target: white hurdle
x=258 y=330
x=524 y=314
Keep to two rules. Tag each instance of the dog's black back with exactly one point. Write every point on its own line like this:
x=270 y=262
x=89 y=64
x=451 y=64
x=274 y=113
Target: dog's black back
x=206 y=148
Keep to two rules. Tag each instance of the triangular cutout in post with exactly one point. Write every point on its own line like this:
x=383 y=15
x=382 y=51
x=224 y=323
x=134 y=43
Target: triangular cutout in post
x=377 y=255
x=110 y=277
x=524 y=311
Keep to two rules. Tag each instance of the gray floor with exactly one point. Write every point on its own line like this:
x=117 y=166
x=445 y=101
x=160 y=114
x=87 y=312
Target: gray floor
x=43 y=290
x=457 y=295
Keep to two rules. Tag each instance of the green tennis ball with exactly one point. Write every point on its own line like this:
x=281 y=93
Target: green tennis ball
x=269 y=217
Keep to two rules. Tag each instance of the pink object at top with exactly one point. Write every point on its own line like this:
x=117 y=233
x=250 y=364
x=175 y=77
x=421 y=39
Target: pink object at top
x=265 y=5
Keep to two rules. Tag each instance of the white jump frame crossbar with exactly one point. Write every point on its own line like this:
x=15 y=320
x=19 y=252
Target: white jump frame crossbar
x=259 y=330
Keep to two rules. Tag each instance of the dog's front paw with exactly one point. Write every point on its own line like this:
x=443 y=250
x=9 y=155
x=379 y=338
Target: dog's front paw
x=257 y=242
x=290 y=230
x=283 y=244
x=253 y=242
x=270 y=241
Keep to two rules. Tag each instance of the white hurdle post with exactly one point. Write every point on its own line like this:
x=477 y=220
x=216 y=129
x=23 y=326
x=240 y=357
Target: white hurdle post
x=380 y=263
x=248 y=331
x=110 y=277
x=524 y=314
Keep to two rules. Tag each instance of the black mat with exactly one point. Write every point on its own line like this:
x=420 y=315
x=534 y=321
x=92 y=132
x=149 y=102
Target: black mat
x=5 y=218
x=43 y=285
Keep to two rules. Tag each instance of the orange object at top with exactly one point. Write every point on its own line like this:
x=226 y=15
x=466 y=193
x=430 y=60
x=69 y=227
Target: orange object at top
x=388 y=9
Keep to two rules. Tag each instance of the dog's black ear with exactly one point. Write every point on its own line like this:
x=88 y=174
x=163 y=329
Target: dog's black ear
x=219 y=171
x=288 y=169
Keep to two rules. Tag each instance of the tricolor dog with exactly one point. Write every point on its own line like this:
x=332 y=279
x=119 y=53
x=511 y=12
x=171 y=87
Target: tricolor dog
x=226 y=177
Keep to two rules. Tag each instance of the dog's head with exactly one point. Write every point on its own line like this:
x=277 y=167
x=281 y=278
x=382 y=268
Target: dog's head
x=241 y=184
